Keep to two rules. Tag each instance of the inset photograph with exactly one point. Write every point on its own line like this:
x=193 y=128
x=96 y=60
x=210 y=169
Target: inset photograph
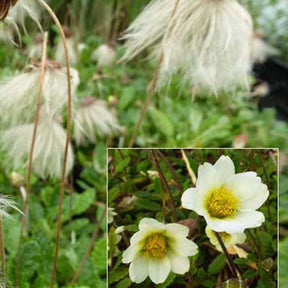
x=192 y=218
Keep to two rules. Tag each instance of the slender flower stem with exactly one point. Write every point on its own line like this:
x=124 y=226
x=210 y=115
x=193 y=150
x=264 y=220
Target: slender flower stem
x=172 y=170
x=227 y=255
x=153 y=83
x=68 y=137
x=2 y=249
x=164 y=184
x=89 y=248
x=190 y=170
x=31 y=154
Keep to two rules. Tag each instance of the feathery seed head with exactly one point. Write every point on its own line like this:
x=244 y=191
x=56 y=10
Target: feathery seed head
x=208 y=42
x=20 y=9
x=6 y=203
x=93 y=120
x=49 y=146
x=18 y=94
x=105 y=55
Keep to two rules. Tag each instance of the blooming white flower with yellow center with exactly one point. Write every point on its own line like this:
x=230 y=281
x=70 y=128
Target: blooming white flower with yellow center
x=226 y=200
x=156 y=249
x=228 y=239
x=207 y=41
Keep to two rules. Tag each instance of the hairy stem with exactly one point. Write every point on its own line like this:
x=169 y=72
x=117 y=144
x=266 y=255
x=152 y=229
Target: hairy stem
x=68 y=137
x=31 y=153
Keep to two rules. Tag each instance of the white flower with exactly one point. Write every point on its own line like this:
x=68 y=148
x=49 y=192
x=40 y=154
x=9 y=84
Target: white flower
x=6 y=203
x=18 y=94
x=228 y=239
x=207 y=41
x=94 y=119
x=105 y=55
x=156 y=249
x=49 y=147
x=227 y=200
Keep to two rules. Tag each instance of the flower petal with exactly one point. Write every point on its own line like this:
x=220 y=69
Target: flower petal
x=138 y=270
x=179 y=264
x=250 y=190
x=130 y=253
x=138 y=236
x=190 y=200
x=224 y=167
x=159 y=269
x=175 y=229
x=184 y=247
x=207 y=178
x=237 y=224
x=150 y=224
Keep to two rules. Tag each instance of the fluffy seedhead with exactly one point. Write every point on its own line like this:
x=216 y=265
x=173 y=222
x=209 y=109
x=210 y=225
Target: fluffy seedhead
x=71 y=45
x=7 y=203
x=49 y=146
x=20 y=9
x=93 y=120
x=18 y=94
x=105 y=55
x=207 y=41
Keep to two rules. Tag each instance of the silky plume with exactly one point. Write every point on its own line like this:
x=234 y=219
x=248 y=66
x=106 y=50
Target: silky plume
x=18 y=94
x=207 y=41
x=49 y=146
x=94 y=120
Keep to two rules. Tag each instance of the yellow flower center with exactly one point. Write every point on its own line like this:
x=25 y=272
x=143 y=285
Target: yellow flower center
x=155 y=246
x=221 y=203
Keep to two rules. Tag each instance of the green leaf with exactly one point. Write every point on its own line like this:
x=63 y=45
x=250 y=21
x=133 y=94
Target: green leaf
x=217 y=264
x=147 y=205
x=121 y=165
x=125 y=283
x=117 y=275
x=161 y=122
x=99 y=255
